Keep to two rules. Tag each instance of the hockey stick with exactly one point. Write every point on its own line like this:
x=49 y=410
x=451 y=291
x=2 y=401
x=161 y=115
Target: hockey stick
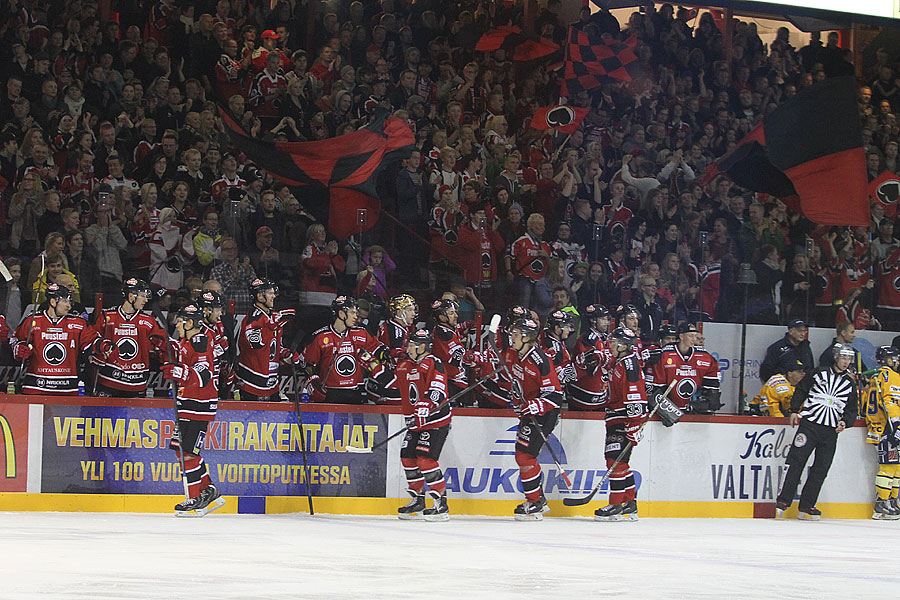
x=492 y=329
x=589 y=497
x=297 y=337
x=437 y=409
x=162 y=321
x=34 y=308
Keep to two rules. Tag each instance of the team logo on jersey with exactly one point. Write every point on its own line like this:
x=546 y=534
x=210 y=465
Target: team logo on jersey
x=345 y=365
x=888 y=191
x=451 y=237
x=485 y=260
x=896 y=283
x=800 y=440
x=54 y=353
x=127 y=347
x=686 y=388
x=537 y=266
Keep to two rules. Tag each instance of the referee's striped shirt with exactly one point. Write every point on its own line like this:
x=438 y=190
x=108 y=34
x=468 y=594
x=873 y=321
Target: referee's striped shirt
x=825 y=397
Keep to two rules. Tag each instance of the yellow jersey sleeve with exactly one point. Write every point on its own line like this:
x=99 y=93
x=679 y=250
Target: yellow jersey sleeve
x=778 y=392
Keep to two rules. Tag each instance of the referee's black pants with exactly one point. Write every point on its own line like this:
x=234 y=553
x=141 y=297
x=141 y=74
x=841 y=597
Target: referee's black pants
x=809 y=437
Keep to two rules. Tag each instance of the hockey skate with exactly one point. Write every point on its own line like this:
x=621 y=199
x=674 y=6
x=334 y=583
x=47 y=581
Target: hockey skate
x=612 y=512
x=780 y=507
x=532 y=511
x=884 y=511
x=630 y=511
x=809 y=514
x=413 y=510
x=440 y=511
x=895 y=507
x=208 y=501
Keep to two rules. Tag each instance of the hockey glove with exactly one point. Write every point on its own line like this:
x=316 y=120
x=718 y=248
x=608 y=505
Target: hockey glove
x=291 y=358
x=471 y=358
x=398 y=354
x=532 y=407
x=312 y=384
x=175 y=372
x=105 y=348
x=421 y=415
x=894 y=439
x=22 y=351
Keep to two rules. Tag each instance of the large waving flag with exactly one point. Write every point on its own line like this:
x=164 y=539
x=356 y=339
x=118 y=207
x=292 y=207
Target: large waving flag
x=591 y=59
x=519 y=46
x=809 y=153
x=346 y=166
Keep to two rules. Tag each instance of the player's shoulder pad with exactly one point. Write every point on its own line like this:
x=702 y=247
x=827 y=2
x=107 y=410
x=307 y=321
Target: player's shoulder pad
x=443 y=333
x=540 y=360
x=436 y=363
x=76 y=320
x=589 y=337
x=632 y=368
x=321 y=330
x=669 y=348
x=200 y=342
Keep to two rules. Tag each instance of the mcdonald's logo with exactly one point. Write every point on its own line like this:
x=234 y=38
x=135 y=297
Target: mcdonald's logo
x=9 y=447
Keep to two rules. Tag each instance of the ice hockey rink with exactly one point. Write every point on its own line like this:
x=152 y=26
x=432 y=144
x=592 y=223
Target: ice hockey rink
x=97 y=555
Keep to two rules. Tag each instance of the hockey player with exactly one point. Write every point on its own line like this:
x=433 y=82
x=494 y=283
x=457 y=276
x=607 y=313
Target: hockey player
x=588 y=392
x=824 y=404
x=883 y=422
x=50 y=342
x=392 y=334
x=196 y=401
x=422 y=383
x=213 y=305
x=625 y=410
x=774 y=399
x=129 y=336
x=695 y=369
x=447 y=344
x=260 y=344
x=629 y=317
x=536 y=396
x=667 y=335
x=560 y=325
x=335 y=353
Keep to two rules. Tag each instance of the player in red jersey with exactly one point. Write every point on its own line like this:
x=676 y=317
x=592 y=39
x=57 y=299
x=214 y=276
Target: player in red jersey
x=536 y=397
x=560 y=325
x=196 y=402
x=335 y=352
x=129 y=336
x=213 y=305
x=51 y=342
x=629 y=317
x=260 y=344
x=448 y=346
x=589 y=390
x=625 y=410
x=422 y=383
x=392 y=334
x=694 y=369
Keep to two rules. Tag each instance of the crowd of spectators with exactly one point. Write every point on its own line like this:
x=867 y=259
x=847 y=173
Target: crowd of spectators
x=116 y=162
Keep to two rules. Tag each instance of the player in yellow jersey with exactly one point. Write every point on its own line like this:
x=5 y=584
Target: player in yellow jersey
x=883 y=420
x=774 y=399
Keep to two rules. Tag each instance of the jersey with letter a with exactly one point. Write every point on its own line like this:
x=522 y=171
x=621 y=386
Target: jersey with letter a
x=127 y=366
x=345 y=371
x=695 y=371
x=198 y=398
x=260 y=348
x=56 y=343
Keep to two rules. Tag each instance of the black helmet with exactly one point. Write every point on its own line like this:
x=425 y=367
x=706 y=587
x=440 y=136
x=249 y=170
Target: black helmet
x=133 y=285
x=624 y=335
x=515 y=312
x=259 y=286
x=560 y=318
x=667 y=330
x=190 y=311
x=420 y=336
x=528 y=326
x=54 y=290
x=440 y=307
x=687 y=328
x=624 y=311
x=344 y=303
x=596 y=311
x=211 y=299
x=884 y=353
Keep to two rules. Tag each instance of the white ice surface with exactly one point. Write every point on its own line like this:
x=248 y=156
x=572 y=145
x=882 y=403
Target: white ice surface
x=99 y=556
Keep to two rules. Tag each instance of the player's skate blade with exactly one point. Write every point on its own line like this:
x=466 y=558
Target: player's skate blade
x=202 y=512
x=811 y=514
x=440 y=512
x=413 y=510
x=532 y=511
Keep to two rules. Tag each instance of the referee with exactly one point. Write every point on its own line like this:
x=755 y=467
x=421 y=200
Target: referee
x=824 y=404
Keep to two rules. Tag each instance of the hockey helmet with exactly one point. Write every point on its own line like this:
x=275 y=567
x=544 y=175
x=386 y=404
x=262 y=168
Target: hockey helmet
x=794 y=364
x=560 y=318
x=442 y=306
x=516 y=312
x=133 y=285
x=420 y=336
x=840 y=349
x=398 y=303
x=260 y=286
x=54 y=290
x=624 y=311
x=625 y=336
x=528 y=327
x=190 y=312
x=667 y=331
x=211 y=299
x=342 y=302
x=596 y=311
x=885 y=353
x=687 y=328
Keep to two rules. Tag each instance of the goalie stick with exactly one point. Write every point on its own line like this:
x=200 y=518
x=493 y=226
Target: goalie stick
x=589 y=497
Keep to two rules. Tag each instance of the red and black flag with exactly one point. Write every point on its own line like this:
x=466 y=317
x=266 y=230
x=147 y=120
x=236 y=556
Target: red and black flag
x=591 y=59
x=562 y=118
x=343 y=170
x=809 y=153
x=519 y=46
